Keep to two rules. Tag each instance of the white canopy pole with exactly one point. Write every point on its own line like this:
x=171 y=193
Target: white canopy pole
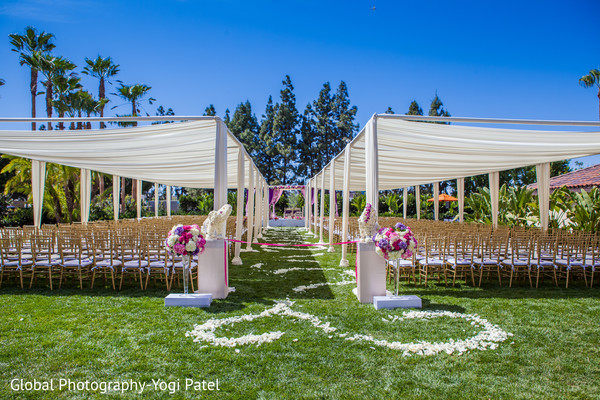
x=418 y=200
x=265 y=206
x=436 y=201
x=38 y=182
x=404 y=205
x=116 y=193
x=138 y=196
x=345 y=206
x=156 y=199
x=460 y=189
x=372 y=164
x=307 y=201
x=332 y=204
x=322 y=208
x=85 y=194
x=168 y=200
x=239 y=219
x=220 y=185
x=258 y=208
x=316 y=204
x=543 y=181
x=494 y=178
x=250 y=213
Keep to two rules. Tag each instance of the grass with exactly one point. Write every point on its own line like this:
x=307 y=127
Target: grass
x=101 y=335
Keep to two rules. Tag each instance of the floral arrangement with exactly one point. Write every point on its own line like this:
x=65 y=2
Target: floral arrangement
x=367 y=223
x=394 y=243
x=185 y=240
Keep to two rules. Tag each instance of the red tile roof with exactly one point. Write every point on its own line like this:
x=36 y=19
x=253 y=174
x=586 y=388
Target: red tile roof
x=582 y=178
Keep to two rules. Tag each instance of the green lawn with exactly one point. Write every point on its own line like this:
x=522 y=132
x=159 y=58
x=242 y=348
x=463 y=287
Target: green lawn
x=104 y=336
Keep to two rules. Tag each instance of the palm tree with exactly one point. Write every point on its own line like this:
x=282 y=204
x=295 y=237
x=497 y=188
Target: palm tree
x=103 y=69
x=64 y=86
x=1 y=82
x=591 y=79
x=25 y=45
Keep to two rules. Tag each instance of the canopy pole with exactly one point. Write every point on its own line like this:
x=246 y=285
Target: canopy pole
x=436 y=201
x=404 y=205
x=543 y=181
x=332 y=205
x=168 y=200
x=156 y=199
x=322 y=208
x=460 y=189
x=316 y=203
x=418 y=200
x=307 y=201
x=116 y=195
x=239 y=210
x=494 y=178
x=258 y=208
x=372 y=164
x=265 y=215
x=85 y=194
x=220 y=182
x=138 y=196
x=38 y=182
x=250 y=212
x=345 y=206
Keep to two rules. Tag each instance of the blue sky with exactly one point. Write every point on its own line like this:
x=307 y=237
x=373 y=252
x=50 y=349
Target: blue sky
x=504 y=59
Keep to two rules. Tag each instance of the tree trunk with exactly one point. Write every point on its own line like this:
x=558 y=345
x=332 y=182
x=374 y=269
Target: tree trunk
x=33 y=90
x=49 y=102
x=61 y=125
x=101 y=183
x=101 y=96
x=79 y=124
x=133 y=113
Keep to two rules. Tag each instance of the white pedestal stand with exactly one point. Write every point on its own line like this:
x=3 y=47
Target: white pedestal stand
x=370 y=273
x=395 y=301
x=186 y=299
x=213 y=269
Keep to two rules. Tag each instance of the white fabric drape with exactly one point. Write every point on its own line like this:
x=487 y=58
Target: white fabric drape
x=404 y=204
x=156 y=199
x=168 y=200
x=138 y=196
x=265 y=210
x=436 y=201
x=250 y=214
x=116 y=195
x=38 y=182
x=345 y=205
x=220 y=159
x=258 y=208
x=307 y=205
x=239 y=219
x=316 y=204
x=85 y=194
x=460 y=189
x=322 y=208
x=543 y=181
x=332 y=205
x=494 y=178
x=372 y=164
x=418 y=200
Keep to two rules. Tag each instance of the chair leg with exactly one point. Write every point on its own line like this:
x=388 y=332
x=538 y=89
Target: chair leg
x=32 y=276
x=1 y=276
x=112 y=277
x=141 y=280
x=50 y=276
x=61 y=277
x=93 y=278
x=512 y=270
x=499 y=276
x=21 y=276
x=80 y=279
x=121 y=281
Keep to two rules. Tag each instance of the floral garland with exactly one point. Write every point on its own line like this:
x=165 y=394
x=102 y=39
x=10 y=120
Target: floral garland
x=395 y=243
x=367 y=223
x=184 y=240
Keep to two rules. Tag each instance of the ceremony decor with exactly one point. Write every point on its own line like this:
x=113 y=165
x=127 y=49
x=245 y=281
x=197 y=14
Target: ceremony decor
x=185 y=241
x=367 y=223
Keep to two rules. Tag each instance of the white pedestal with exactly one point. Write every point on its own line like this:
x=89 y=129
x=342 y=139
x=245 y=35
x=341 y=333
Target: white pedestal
x=188 y=300
x=370 y=273
x=409 y=301
x=213 y=269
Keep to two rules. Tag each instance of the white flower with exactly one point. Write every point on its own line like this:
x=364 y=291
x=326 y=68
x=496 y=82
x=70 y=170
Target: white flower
x=190 y=246
x=172 y=240
x=195 y=232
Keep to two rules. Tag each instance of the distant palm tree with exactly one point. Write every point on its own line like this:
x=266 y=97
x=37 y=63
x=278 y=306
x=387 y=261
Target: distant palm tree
x=25 y=45
x=1 y=82
x=64 y=86
x=134 y=94
x=591 y=80
x=103 y=69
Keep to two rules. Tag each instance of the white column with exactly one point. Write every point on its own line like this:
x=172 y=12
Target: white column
x=156 y=199
x=436 y=201
x=258 y=208
x=168 y=200
x=220 y=182
x=372 y=164
x=138 y=195
x=315 y=211
x=116 y=194
x=266 y=207
x=345 y=205
x=543 y=181
x=460 y=191
x=239 y=219
x=38 y=182
x=307 y=200
x=332 y=205
x=85 y=194
x=404 y=205
x=322 y=209
x=418 y=200
x=250 y=214
x=494 y=178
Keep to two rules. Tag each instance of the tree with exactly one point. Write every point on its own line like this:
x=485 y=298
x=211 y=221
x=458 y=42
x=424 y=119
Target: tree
x=414 y=109
x=28 y=43
x=306 y=146
x=134 y=94
x=2 y=82
x=210 y=110
x=51 y=68
x=590 y=80
x=436 y=109
x=227 y=119
x=324 y=128
x=285 y=128
x=267 y=149
x=103 y=69
x=244 y=126
x=343 y=115
x=389 y=111
x=64 y=86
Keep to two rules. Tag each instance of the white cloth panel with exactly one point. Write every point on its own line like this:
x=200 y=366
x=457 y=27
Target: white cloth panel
x=460 y=188
x=494 y=178
x=371 y=164
x=345 y=205
x=418 y=200
x=404 y=204
x=138 y=195
x=250 y=214
x=316 y=204
x=543 y=181
x=168 y=200
x=156 y=199
x=307 y=206
x=332 y=204
x=220 y=158
x=322 y=208
x=265 y=214
x=85 y=194
x=239 y=219
x=38 y=182
x=116 y=194
x=258 y=207
x=436 y=201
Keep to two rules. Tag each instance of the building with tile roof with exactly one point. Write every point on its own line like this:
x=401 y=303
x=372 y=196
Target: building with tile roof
x=585 y=178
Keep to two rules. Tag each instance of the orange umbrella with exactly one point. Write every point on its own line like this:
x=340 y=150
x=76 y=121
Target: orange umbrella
x=445 y=197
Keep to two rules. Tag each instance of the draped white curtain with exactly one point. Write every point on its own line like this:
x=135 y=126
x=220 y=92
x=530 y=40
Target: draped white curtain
x=460 y=188
x=85 y=194
x=38 y=182
x=494 y=178
x=332 y=205
x=543 y=181
x=116 y=194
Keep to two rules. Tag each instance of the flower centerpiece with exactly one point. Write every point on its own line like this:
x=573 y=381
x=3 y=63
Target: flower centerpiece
x=395 y=243
x=185 y=241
